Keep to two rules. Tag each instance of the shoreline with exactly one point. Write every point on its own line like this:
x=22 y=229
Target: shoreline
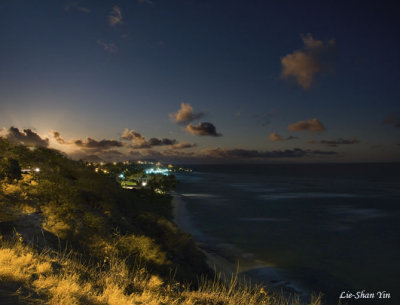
x=220 y=257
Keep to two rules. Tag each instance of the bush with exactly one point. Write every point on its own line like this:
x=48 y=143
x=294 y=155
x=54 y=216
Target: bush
x=10 y=169
x=162 y=183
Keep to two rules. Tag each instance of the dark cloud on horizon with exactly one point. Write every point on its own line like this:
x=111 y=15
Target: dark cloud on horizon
x=313 y=125
x=152 y=142
x=88 y=143
x=257 y=154
x=185 y=115
x=92 y=144
x=253 y=154
x=140 y=142
x=321 y=152
x=334 y=143
x=25 y=137
x=183 y=145
x=227 y=155
x=302 y=65
x=203 y=129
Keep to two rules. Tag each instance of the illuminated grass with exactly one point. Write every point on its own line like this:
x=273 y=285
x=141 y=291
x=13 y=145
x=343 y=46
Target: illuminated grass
x=57 y=279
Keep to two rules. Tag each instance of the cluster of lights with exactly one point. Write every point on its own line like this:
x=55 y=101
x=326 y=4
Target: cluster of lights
x=163 y=171
x=36 y=169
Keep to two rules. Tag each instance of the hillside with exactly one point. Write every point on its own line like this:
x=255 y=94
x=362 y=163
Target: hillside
x=70 y=235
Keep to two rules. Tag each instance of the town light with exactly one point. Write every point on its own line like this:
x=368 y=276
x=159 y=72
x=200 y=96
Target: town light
x=163 y=171
x=37 y=169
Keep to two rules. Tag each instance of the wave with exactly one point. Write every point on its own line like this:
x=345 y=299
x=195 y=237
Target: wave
x=200 y=195
x=305 y=196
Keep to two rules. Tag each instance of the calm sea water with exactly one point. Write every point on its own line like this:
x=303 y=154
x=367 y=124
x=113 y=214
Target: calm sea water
x=333 y=228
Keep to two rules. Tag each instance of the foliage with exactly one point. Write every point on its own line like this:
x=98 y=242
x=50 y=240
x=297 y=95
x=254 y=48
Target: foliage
x=162 y=183
x=56 y=278
x=68 y=204
x=10 y=169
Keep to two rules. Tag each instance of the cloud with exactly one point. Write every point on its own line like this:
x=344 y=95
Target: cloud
x=89 y=144
x=203 y=129
x=312 y=125
x=115 y=16
x=153 y=142
x=274 y=137
x=321 y=152
x=92 y=144
x=57 y=136
x=185 y=114
x=140 y=141
x=75 y=5
x=253 y=154
x=393 y=119
x=219 y=155
x=304 y=64
x=183 y=145
x=131 y=135
x=222 y=153
x=334 y=143
x=26 y=137
x=108 y=47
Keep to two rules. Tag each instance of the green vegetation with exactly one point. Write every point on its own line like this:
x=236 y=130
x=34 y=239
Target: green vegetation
x=122 y=246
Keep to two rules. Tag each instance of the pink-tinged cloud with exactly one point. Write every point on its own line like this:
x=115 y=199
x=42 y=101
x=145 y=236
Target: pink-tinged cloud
x=274 y=137
x=115 y=16
x=302 y=65
x=313 y=125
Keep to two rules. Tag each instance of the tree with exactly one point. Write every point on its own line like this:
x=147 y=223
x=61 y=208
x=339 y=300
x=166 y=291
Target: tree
x=162 y=183
x=10 y=169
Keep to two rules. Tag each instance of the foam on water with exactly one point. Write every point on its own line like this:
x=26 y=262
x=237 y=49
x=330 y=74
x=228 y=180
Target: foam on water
x=284 y=196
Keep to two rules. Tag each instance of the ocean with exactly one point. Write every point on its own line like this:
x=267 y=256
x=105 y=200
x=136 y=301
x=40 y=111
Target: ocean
x=330 y=228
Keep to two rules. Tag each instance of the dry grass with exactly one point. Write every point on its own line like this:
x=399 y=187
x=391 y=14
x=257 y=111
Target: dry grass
x=58 y=278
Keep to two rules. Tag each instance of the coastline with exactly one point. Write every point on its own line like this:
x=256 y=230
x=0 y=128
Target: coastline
x=227 y=260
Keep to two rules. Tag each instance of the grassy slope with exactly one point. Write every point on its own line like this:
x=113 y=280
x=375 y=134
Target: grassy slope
x=122 y=247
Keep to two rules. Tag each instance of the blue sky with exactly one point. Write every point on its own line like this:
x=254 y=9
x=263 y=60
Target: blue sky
x=94 y=68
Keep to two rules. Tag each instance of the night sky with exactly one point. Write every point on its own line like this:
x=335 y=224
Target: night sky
x=203 y=81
